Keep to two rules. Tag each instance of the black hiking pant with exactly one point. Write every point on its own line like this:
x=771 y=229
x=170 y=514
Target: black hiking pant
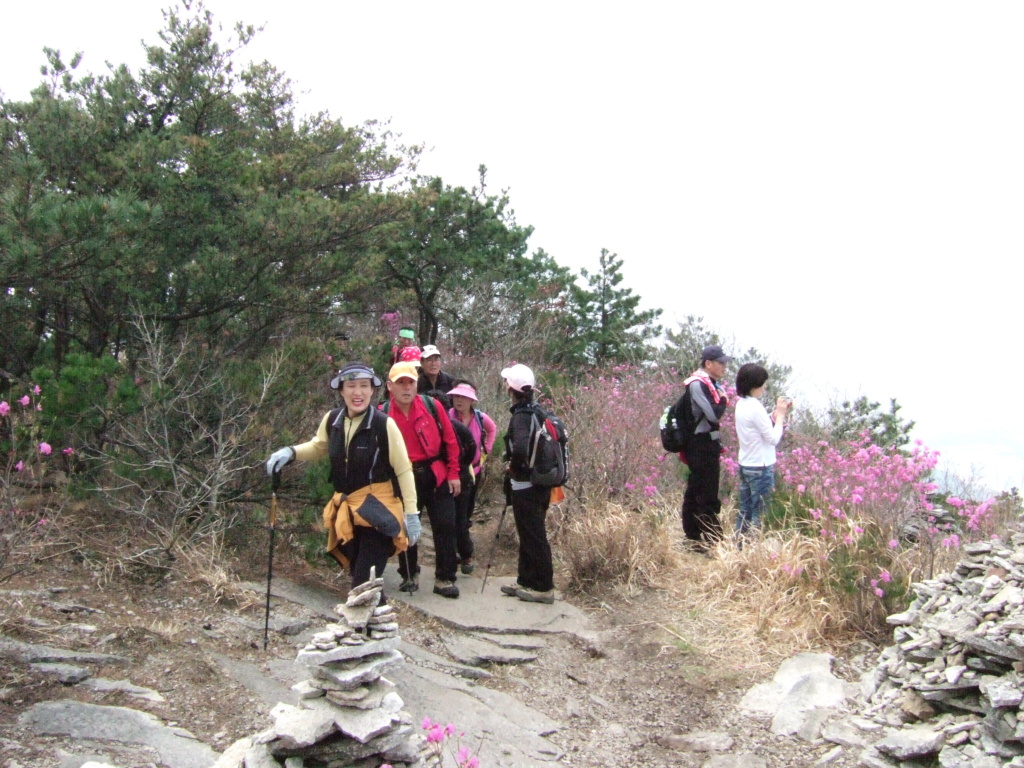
x=367 y=548
x=701 y=505
x=440 y=506
x=530 y=509
x=464 y=504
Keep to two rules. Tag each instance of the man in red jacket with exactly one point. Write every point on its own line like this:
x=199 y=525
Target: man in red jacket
x=434 y=453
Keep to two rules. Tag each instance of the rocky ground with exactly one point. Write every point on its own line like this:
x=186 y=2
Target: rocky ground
x=627 y=696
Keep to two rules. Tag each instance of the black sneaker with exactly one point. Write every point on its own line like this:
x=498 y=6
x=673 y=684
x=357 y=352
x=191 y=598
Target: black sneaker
x=409 y=585
x=467 y=566
x=446 y=589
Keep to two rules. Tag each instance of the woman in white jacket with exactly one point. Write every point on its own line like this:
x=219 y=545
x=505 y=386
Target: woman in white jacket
x=758 y=434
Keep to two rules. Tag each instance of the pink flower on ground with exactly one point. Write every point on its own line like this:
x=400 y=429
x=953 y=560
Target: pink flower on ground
x=45 y=449
x=68 y=451
x=426 y=724
x=449 y=729
x=879 y=592
x=801 y=488
x=36 y=390
x=19 y=466
x=436 y=735
x=885 y=576
x=893 y=544
x=5 y=408
x=25 y=401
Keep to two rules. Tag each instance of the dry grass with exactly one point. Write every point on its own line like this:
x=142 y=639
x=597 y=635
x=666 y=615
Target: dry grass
x=754 y=607
x=617 y=545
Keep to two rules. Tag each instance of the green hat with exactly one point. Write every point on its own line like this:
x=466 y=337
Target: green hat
x=407 y=333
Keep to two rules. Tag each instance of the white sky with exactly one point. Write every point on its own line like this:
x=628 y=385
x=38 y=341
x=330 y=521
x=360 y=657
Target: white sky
x=839 y=185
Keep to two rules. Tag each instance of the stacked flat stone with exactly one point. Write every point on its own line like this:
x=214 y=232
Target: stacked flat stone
x=953 y=684
x=348 y=713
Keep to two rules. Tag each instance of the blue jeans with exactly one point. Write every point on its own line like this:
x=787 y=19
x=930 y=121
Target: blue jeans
x=756 y=486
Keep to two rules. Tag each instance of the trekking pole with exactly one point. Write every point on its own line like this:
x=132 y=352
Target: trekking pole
x=275 y=481
x=494 y=545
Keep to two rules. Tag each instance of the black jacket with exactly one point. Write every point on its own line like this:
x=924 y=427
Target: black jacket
x=367 y=460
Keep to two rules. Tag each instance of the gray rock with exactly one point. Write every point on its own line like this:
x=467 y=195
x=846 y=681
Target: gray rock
x=519 y=642
x=259 y=756
x=845 y=734
x=352 y=675
x=911 y=742
x=42 y=654
x=872 y=758
x=234 y=756
x=739 y=760
x=828 y=758
x=295 y=728
x=136 y=691
x=477 y=652
x=346 y=652
x=697 y=741
x=177 y=748
x=359 y=724
x=69 y=674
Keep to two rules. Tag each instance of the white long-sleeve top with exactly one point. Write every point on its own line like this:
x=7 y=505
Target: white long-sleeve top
x=757 y=435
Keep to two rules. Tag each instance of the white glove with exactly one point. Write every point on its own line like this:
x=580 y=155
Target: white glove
x=278 y=459
x=413 y=529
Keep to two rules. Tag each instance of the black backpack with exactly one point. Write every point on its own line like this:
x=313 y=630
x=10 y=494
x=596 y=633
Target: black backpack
x=677 y=424
x=549 y=449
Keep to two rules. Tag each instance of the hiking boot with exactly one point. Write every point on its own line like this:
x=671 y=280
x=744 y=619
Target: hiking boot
x=467 y=566
x=446 y=589
x=533 y=596
x=410 y=585
x=512 y=590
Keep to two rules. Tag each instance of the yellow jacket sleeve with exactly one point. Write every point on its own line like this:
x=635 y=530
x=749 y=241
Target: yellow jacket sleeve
x=315 y=448
x=403 y=467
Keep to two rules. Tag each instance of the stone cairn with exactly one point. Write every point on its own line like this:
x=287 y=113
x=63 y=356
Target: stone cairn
x=348 y=714
x=950 y=690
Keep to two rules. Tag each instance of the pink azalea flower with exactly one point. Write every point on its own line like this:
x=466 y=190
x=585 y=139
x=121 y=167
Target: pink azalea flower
x=36 y=390
x=45 y=449
x=5 y=408
x=885 y=576
x=879 y=592
x=436 y=735
x=893 y=544
x=25 y=401
x=19 y=466
x=68 y=451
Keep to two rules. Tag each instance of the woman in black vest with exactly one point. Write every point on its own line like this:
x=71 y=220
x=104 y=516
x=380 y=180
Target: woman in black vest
x=373 y=511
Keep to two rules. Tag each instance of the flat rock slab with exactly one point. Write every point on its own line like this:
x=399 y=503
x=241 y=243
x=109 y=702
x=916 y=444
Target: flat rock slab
x=322 y=601
x=283 y=625
x=513 y=733
x=511 y=640
x=89 y=722
x=272 y=681
x=479 y=653
x=136 y=691
x=69 y=674
x=44 y=654
x=491 y=611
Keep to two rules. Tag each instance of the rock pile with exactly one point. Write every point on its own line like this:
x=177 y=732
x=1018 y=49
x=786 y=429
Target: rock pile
x=348 y=714
x=952 y=685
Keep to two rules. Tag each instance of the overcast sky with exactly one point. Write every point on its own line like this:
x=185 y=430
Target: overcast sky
x=839 y=185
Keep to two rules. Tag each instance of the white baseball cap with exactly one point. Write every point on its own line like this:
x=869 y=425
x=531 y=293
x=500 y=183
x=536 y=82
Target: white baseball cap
x=519 y=377
x=429 y=351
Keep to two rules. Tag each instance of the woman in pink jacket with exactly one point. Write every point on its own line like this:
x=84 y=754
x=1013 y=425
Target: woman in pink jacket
x=484 y=432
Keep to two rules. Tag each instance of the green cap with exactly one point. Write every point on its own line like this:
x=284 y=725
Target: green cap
x=407 y=333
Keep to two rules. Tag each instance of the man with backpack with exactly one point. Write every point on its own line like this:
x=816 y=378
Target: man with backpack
x=535 y=578
x=434 y=452
x=700 y=408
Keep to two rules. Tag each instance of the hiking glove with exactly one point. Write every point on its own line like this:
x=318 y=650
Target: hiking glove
x=413 y=529
x=278 y=459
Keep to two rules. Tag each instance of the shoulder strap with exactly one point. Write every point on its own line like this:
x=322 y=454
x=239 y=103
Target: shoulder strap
x=480 y=423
